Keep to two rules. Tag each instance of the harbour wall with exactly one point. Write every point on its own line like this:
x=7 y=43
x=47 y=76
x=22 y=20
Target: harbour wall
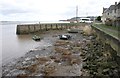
x=31 y=28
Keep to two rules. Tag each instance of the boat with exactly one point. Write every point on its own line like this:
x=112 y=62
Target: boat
x=36 y=38
x=73 y=30
x=64 y=37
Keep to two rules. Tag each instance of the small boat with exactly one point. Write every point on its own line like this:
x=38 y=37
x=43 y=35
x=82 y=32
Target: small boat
x=73 y=30
x=64 y=37
x=36 y=38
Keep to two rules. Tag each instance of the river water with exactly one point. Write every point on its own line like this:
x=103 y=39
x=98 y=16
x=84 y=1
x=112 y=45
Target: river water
x=14 y=46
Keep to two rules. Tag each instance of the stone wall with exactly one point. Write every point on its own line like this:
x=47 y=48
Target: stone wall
x=31 y=28
x=109 y=40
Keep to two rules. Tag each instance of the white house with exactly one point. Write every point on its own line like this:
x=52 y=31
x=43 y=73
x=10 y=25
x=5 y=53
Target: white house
x=112 y=15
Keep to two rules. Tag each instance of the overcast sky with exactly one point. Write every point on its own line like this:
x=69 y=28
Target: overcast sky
x=50 y=10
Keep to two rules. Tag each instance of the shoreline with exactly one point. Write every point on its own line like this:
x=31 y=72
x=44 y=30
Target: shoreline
x=62 y=58
x=45 y=51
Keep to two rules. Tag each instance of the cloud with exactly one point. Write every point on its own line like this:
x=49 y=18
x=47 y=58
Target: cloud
x=50 y=9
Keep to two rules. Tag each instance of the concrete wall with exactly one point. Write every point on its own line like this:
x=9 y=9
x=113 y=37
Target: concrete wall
x=31 y=28
x=109 y=40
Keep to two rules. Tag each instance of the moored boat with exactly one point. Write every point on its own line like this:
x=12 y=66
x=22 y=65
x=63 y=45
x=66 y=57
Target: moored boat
x=36 y=38
x=64 y=37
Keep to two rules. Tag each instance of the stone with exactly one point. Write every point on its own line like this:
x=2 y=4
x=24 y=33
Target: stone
x=66 y=53
x=74 y=61
x=24 y=62
x=57 y=60
x=37 y=56
x=26 y=59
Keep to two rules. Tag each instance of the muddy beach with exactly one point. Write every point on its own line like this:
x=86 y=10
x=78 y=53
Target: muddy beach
x=82 y=55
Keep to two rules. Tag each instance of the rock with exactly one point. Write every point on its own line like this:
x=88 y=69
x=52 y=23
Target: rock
x=22 y=76
x=74 y=61
x=37 y=56
x=48 y=70
x=32 y=50
x=92 y=37
x=57 y=60
x=106 y=71
x=86 y=48
x=26 y=59
x=66 y=53
x=88 y=41
x=43 y=60
x=16 y=72
x=24 y=62
x=53 y=57
x=85 y=66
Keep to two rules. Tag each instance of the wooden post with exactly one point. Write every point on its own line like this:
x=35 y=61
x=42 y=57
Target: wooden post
x=56 y=26
x=69 y=26
x=61 y=27
x=66 y=26
x=34 y=28
x=28 y=29
x=51 y=26
x=46 y=27
x=40 y=26
x=18 y=30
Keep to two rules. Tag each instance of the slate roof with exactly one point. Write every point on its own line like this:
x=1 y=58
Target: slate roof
x=112 y=7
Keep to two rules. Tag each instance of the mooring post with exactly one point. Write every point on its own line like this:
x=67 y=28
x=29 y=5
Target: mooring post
x=28 y=29
x=56 y=26
x=51 y=26
x=40 y=26
x=66 y=26
x=61 y=27
x=34 y=27
x=46 y=27
x=18 y=30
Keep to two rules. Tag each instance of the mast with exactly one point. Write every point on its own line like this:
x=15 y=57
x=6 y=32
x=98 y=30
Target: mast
x=76 y=13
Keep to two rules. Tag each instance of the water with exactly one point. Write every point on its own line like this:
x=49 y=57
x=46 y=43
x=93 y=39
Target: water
x=14 y=46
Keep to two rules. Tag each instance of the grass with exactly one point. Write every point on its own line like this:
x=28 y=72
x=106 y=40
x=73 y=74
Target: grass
x=111 y=30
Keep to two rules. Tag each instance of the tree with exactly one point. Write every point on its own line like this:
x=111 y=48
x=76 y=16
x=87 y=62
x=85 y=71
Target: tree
x=98 y=18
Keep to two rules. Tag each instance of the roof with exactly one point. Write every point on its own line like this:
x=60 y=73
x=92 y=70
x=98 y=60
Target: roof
x=112 y=7
x=118 y=5
x=104 y=9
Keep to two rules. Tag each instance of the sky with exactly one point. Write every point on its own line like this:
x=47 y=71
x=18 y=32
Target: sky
x=50 y=10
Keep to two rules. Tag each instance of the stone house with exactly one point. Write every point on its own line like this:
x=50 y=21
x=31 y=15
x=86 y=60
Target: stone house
x=111 y=15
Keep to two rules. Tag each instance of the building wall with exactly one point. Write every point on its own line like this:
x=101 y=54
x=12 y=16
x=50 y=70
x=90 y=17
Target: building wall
x=112 y=13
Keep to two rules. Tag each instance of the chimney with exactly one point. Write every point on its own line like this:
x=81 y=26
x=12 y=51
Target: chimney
x=103 y=9
x=115 y=3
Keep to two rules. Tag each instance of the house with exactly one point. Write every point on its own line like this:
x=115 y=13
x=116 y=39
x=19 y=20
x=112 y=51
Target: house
x=111 y=15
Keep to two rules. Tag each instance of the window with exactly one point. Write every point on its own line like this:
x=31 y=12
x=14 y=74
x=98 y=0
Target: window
x=115 y=11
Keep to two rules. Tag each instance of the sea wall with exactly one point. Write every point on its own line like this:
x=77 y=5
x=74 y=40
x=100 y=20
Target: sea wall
x=108 y=39
x=31 y=28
